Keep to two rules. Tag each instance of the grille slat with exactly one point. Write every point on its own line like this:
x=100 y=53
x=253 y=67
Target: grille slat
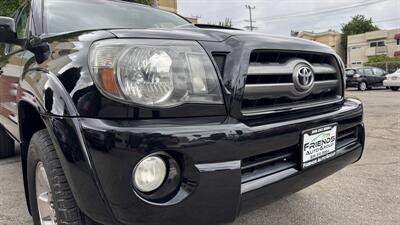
x=267 y=160
x=286 y=69
x=270 y=85
x=268 y=56
x=347 y=137
x=346 y=134
x=266 y=171
x=269 y=163
x=276 y=91
x=270 y=79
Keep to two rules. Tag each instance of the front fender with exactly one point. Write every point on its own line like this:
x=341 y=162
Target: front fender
x=44 y=92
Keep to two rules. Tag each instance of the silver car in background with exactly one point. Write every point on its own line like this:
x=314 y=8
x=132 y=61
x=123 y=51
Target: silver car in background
x=392 y=81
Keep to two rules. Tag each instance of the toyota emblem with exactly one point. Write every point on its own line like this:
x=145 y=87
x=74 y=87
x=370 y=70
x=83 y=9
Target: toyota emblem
x=303 y=77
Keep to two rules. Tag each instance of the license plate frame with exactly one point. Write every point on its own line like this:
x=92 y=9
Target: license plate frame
x=311 y=156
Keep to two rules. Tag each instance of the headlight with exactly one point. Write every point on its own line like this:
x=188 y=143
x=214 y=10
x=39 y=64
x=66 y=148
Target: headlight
x=149 y=174
x=154 y=73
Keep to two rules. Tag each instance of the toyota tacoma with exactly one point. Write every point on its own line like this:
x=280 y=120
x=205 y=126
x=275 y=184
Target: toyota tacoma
x=126 y=114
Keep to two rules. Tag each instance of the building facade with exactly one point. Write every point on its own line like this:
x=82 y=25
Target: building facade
x=382 y=42
x=330 y=38
x=168 y=5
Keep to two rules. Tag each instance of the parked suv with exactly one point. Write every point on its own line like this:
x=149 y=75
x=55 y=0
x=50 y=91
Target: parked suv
x=126 y=114
x=365 y=78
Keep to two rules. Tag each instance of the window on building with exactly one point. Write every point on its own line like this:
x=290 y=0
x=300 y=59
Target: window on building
x=398 y=41
x=377 y=44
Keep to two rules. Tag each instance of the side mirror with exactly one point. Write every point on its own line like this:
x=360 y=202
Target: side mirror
x=8 y=33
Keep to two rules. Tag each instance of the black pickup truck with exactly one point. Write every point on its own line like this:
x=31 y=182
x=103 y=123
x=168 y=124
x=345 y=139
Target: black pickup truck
x=127 y=114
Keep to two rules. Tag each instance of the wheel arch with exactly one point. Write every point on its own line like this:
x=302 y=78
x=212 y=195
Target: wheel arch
x=30 y=121
x=44 y=103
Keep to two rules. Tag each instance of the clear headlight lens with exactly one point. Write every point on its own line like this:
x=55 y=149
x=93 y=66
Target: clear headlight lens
x=155 y=73
x=149 y=174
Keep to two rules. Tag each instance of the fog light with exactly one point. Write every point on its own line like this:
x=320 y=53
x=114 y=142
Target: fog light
x=149 y=174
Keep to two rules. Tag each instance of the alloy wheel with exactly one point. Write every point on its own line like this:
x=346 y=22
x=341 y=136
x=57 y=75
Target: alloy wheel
x=363 y=86
x=44 y=197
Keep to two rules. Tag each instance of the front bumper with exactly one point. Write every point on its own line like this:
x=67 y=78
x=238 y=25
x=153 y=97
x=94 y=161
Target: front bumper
x=215 y=147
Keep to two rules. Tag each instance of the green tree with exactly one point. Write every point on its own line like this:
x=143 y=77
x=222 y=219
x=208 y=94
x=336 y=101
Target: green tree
x=226 y=23
x=8 y=7
x=382 y=58
x=359 y=24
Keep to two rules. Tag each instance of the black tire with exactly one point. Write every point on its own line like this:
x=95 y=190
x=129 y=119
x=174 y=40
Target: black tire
x=7 y=144
x=41 y=149
x=362 y=86
x=395 y=88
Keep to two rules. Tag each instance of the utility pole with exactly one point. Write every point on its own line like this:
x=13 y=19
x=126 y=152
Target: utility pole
x=154 y=3
x=251 y=8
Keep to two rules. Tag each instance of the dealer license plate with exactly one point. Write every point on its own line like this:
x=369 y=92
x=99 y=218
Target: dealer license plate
x=319 y=144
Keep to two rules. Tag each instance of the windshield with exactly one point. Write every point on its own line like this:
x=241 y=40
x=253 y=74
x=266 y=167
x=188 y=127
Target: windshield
x=74 y=15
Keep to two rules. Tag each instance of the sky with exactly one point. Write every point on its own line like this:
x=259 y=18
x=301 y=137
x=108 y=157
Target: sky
x=281 y=16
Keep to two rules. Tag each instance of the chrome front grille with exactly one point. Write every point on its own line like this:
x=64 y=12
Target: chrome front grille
x=271 y=82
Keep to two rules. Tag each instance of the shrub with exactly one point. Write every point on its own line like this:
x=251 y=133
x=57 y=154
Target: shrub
x=390 y=67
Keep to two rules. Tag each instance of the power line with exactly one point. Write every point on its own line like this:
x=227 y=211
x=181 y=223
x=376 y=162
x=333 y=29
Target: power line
x=251 y=21
x=323 y=11
x=339 y=26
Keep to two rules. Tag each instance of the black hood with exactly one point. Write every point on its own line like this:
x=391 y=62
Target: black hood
x=195 y=34
x=255 y=40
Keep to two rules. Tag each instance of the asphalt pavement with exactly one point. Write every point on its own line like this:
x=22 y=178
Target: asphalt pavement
x=367 y=192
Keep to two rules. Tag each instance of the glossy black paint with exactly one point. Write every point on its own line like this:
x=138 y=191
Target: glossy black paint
x=120 y=144
x=99 y=141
